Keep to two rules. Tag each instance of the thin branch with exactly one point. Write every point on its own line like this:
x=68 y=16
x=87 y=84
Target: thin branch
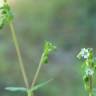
x=19 y=54
x=37 y=72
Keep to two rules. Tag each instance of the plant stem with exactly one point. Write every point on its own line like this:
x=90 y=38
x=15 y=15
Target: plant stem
x=90 y=86
x=37 y=72
x=29 y=93
x=19 y=54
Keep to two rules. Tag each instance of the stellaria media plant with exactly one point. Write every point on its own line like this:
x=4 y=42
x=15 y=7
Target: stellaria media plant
x=6 y=17
x=88 y=68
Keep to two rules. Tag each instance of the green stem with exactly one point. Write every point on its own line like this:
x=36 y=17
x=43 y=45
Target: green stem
x=90 y=86
x=19 y=54
x=29 y=93
x=37 y=72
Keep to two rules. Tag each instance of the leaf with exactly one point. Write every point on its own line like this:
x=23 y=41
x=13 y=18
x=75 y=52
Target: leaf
x=40 y=85
x=14 y=89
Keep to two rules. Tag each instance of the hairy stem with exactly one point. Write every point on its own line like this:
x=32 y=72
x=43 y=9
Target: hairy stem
x=19 y=54
x=37 y=72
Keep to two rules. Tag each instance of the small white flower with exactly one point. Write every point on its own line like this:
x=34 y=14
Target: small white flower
x=85 y=53
x=89 y=72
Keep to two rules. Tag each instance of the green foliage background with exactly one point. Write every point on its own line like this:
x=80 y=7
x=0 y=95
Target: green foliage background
x=69 y=24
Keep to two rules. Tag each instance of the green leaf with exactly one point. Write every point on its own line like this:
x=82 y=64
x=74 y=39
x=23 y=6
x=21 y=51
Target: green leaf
x=14 y=89
x=40 y=85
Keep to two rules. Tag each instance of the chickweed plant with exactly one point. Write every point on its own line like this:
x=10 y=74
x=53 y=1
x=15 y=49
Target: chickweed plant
x=6 y=17
x=88 y=69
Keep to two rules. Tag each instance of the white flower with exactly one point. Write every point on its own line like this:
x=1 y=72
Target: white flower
x=89 y=72
x=84 y=53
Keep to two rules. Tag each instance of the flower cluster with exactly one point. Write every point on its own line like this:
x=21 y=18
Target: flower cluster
x=89 y=64
x=84 y=53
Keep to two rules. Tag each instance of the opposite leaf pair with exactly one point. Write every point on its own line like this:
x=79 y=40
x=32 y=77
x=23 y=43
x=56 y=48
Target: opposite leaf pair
x=23 y=89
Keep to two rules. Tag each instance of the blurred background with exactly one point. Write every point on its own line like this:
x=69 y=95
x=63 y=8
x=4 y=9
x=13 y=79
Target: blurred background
x=69 y=24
